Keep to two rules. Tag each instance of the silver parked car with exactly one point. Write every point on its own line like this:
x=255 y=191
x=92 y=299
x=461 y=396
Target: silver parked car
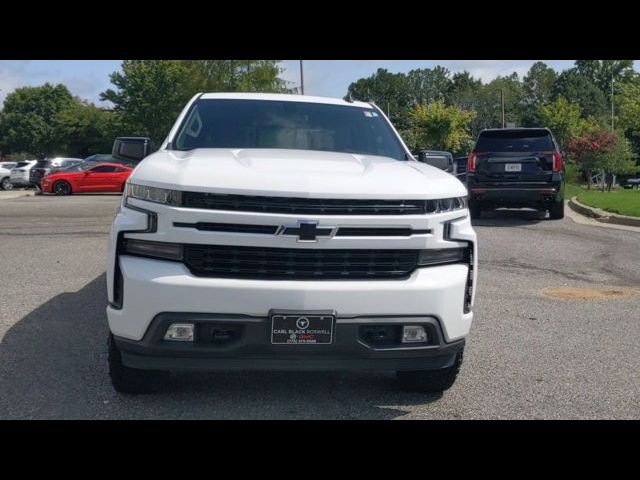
x=5 y=175
x=20 y=173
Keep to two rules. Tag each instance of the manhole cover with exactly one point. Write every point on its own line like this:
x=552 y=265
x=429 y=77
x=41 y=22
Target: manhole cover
x=569 y=293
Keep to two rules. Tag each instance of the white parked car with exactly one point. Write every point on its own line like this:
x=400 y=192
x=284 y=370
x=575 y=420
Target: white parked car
x=20 y=173
x=288 y=232
x=5 y=175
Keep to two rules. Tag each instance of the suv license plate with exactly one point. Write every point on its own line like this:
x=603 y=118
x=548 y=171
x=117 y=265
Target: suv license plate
x=301 y=329
x=512 y=167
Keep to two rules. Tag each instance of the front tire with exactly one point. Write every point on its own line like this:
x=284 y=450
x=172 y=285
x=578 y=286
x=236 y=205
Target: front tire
x=430 y=381
x=62 y=188
x=6 y=184
x=556 y=212
x=131 y=380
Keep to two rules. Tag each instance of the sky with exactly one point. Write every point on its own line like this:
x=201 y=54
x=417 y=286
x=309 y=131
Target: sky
x=328 y=78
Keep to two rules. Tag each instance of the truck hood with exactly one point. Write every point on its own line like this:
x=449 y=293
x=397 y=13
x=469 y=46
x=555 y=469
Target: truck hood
x=295 y=173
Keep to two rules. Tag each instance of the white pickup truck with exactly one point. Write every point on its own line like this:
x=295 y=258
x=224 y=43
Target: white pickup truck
x=288 y=232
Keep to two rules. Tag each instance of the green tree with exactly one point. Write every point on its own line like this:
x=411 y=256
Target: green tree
x=627 y=102
x=466 y=93
x=149 y=95
x=87 y=129
x=513 y=91
x=628 y=105
x=579 y=89
x=602 y=72
x=537 y=88
x=441 y=127
x=619 y=159
x=428 y=84
x=235 y=75
x=390 y=91
x=463 y=90
x=563 y=119
x=28 y=122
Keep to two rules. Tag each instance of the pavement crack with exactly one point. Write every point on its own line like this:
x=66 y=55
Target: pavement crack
x=515 y=265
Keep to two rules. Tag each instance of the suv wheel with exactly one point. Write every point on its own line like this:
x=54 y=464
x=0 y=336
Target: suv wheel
x=131 y=380
x=556 y=212
x=430 y=381
x=6 y=184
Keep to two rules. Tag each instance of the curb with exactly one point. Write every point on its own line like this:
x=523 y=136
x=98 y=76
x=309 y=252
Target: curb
x=602 y=215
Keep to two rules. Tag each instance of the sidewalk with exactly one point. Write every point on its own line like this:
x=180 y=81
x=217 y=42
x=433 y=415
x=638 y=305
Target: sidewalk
x=7 y=194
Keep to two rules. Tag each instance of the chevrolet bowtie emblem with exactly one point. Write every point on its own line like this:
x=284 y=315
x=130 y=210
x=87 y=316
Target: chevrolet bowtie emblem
x=307 y=231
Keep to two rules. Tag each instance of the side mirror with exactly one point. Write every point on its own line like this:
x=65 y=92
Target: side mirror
x=440 y=162
x=131 y=149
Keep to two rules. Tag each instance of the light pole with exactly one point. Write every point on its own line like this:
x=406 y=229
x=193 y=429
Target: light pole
x=301 y=79
x=612 y=99
x=502 y=105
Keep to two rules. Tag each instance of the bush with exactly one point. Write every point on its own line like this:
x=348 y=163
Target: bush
x=572 y=173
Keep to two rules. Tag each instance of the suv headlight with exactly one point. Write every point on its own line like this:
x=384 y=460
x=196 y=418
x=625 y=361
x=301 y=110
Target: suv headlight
x=153 y=194
x=443 y=205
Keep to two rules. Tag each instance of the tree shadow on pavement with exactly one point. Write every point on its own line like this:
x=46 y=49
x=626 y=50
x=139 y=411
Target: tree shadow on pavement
x=509 y=218
x=53 y=364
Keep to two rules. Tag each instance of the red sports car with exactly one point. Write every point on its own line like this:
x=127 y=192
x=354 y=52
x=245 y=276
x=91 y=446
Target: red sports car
x=87 y=178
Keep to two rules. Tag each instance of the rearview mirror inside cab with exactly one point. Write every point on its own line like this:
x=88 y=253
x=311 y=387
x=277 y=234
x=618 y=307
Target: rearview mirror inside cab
x=131 y=149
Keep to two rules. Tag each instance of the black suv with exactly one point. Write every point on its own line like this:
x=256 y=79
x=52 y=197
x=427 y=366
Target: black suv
x=461 y=168
x=516 y=167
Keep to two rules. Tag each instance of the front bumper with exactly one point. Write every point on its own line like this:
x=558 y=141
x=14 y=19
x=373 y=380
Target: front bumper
x=152 y=287
x=352 y=349
x=46 y=185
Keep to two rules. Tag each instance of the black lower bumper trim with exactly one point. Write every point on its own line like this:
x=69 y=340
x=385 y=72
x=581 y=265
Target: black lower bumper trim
x=288 y=363
x=252 y=348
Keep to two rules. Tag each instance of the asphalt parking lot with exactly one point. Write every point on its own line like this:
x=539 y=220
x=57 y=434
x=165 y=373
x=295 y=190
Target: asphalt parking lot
x=530 y=354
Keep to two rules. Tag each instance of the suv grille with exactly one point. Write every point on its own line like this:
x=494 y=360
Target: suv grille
x=293 y=205
x=298 y=263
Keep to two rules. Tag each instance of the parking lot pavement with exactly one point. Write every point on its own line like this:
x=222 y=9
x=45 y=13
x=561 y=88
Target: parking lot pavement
x=530 y=353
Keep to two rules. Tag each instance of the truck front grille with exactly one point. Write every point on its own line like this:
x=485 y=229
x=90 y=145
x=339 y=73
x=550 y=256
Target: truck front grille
x=308 y=206
x=298 y=263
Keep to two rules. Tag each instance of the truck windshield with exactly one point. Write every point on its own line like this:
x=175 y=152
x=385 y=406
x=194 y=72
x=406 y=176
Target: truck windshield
x=230 y=123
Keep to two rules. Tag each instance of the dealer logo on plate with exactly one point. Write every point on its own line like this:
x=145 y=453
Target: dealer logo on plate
x=302 y=323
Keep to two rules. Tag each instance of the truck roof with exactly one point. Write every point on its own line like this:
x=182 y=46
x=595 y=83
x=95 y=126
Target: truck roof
x=516 y=129
x=284 y=97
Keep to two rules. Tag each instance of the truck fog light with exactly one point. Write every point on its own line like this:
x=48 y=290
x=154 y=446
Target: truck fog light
x=413 y=334
x=181 y=332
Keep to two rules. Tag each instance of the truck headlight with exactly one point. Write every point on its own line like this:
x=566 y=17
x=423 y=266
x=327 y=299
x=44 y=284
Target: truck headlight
x=441 y=256
x=443 y=205
x=164 y=196
x=146 y=248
